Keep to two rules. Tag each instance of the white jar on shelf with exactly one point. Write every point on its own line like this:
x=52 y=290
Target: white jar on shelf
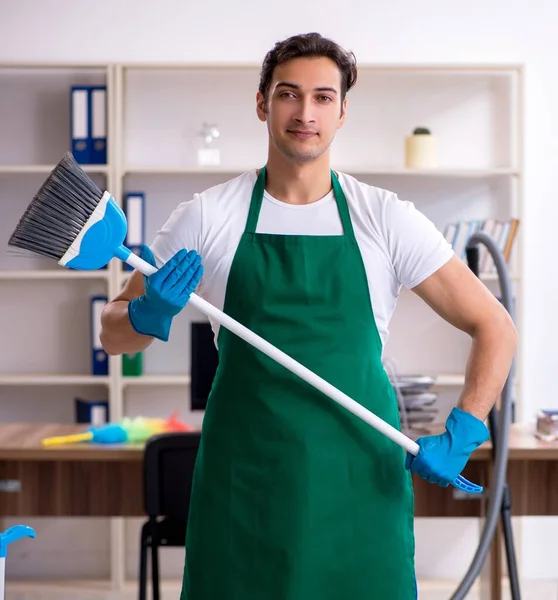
x=421 y=150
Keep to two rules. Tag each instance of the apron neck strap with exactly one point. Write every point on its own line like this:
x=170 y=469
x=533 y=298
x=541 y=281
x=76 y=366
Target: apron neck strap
x=342 y=206
x=256 y=202
x=257 y=197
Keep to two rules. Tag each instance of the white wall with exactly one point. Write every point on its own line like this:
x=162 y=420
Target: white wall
x=408 y=31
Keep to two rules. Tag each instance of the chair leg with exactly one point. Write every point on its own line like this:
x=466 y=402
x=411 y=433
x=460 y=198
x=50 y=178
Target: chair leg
x=155 y=568
x=142 y=587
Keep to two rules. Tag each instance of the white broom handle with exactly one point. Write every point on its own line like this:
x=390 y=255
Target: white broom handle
x=289 y=363
x=2 y=577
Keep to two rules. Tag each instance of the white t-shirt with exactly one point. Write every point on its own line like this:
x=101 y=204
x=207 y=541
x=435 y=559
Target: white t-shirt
x=399 y=245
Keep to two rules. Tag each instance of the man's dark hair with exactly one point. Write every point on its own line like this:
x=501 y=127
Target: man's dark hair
x=308 y=45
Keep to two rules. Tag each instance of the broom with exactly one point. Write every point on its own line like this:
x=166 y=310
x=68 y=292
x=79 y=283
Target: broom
x=73 y=222
x=6 y=538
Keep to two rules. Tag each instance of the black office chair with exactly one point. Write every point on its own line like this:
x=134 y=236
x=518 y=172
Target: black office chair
x=168 y=467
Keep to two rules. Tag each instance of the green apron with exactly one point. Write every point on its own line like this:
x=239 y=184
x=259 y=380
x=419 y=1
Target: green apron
x=295 y=498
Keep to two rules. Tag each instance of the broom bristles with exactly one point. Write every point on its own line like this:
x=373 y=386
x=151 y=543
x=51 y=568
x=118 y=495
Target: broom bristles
x=58 y=211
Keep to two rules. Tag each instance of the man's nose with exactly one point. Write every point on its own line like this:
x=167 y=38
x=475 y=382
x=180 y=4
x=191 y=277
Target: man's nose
x=305 y=112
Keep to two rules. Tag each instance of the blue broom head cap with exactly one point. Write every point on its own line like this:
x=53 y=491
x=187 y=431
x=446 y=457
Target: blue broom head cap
x=101 y=241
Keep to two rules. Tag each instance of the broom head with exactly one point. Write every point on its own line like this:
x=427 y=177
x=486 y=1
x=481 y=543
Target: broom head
x=71 y=220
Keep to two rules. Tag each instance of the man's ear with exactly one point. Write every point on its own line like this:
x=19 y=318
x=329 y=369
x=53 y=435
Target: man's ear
x=343 y=114
x=260 y=107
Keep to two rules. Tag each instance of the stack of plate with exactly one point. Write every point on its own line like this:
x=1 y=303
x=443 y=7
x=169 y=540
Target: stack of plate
x=418 y=399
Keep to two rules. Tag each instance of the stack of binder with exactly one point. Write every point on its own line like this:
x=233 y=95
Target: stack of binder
x=88 y=124
x=132 y=364
x=134 y=208
x=93 y=412
x=417 y=408
x=99 y=358
x=503 y=233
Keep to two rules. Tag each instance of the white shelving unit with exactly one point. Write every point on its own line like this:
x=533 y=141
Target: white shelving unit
x=155 y=114
x=53 y=380
x=25 y=169
x=63 y=274
x=474 y=173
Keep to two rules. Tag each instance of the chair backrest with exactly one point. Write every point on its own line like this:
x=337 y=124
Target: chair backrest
x=168 y=467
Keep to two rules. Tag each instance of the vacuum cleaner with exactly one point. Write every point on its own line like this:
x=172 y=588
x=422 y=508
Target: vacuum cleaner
x=499 y=421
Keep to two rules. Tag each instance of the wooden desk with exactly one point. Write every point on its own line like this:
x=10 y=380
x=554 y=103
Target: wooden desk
x=532 y=471
x=88 y=480
x=67 y=480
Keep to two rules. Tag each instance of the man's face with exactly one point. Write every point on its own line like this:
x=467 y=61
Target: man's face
x=304 y=107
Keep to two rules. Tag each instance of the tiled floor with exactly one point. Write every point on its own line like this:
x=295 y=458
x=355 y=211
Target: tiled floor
x=530 y=590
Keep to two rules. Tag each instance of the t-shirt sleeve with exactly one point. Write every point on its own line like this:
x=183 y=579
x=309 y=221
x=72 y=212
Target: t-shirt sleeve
x=417 y=248
x=181 y=230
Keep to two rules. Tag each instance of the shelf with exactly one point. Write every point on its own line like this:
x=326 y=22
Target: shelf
x=494 y=277
x=166 y=380
x=177 y=170
x=53 y=274
x=454 y=380
x=449 y=380
x=36 y=379
x=54 y=66
x=124 y=276
x=441 y=172
x=179 y=380
x=27 y=169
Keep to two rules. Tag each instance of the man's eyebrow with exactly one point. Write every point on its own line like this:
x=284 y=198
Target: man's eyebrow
x=295 y=86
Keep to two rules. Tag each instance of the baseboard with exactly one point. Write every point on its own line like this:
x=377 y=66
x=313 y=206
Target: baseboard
x=83 y=590
x=170 y=590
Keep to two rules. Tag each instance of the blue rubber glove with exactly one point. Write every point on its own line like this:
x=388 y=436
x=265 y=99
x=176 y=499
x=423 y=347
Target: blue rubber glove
x=442 y=457
x=166 y=293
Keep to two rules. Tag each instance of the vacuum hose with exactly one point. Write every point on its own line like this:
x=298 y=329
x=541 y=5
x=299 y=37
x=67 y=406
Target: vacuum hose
x=501 y=455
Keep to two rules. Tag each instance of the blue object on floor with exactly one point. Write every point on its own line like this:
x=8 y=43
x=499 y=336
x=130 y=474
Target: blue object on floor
x=13 y=534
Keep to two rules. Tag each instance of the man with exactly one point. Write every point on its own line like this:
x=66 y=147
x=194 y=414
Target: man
x=293 y=497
